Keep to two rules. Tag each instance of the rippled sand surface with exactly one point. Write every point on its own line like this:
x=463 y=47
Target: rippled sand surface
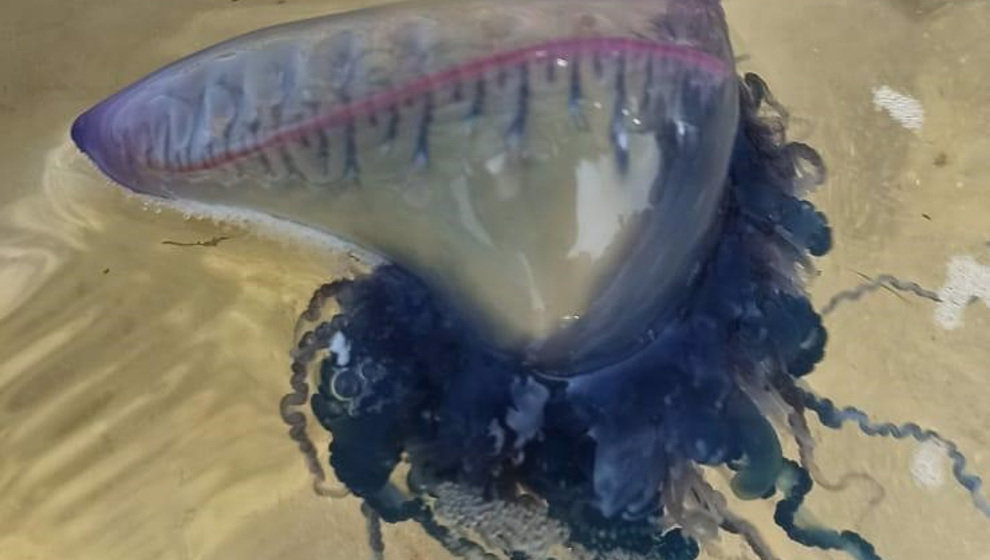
x=139 y=380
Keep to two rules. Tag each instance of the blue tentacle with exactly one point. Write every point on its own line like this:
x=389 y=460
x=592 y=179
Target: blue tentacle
x=795 y=483
x=833 y=417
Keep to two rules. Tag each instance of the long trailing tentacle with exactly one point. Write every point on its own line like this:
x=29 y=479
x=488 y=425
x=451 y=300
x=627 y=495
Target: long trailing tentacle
x=289 y=405
x=795 y=483
x=873 y=284
x=373 y=525
x=806 y=453
x=711 y=504
x=775 y=394
x=297 y=431
x=779 y=398
x=834 y=417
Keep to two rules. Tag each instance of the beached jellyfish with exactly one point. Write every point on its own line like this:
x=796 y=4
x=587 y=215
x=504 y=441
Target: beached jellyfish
x=592 y=238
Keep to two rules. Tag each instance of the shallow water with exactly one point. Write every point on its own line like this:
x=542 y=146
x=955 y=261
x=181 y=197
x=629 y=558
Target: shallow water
x=139 y=381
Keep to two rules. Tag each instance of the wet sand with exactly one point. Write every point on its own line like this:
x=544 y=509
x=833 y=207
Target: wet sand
x=139 y=381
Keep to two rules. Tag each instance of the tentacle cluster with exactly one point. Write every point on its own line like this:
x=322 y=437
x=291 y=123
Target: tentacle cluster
x=501 y=459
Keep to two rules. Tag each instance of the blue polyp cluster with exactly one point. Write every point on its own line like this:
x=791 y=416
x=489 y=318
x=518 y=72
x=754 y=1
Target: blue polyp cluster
x=417 y=385
x=409 y=381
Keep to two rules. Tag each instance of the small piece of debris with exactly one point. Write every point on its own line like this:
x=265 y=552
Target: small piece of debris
x=208 y=243
x=106 y=271
x=941 y=159
x=927 y=217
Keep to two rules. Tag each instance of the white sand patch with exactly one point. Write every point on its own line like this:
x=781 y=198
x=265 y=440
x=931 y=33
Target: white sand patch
x=902 y=108
x=965 y=281
x=929 y=464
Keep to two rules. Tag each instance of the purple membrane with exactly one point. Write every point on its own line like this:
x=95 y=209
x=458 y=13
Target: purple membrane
x=474 y=155
x=594 y=234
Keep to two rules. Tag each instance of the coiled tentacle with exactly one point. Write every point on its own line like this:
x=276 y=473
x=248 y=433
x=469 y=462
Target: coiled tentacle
x=795 y=483
x=834 y=417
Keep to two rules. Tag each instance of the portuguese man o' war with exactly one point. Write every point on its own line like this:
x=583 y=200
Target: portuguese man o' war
x=592 y=239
